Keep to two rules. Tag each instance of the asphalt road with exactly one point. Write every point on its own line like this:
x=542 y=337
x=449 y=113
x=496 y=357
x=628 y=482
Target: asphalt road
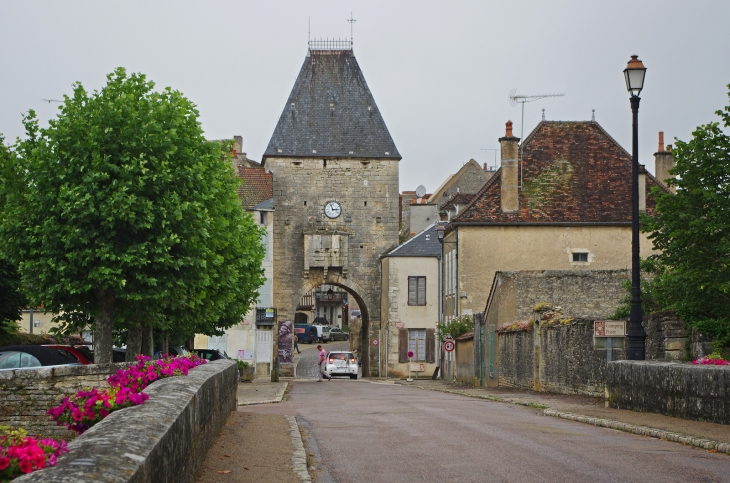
x=370 y=432
x=307 y=365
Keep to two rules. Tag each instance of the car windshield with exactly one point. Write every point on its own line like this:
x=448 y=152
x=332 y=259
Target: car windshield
x=9 y=360
x=86 y=352
x=325 y=329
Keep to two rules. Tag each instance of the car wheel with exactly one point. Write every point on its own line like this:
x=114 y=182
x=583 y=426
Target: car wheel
x=354 y=376
x=347 y=337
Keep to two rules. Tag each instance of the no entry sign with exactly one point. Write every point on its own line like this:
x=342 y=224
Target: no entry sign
x=449 y=345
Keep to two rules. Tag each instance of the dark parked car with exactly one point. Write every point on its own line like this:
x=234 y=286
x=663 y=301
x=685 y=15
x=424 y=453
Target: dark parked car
x=81 y=353
x=211 y=354
x=335 y=333
x=34 y=357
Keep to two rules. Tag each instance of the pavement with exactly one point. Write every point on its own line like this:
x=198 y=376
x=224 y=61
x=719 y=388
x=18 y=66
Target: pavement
x=592 y=410
x=282 y=431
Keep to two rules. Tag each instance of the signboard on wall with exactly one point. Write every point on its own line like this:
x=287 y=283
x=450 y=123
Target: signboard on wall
x=245 y=354
x=609 y=328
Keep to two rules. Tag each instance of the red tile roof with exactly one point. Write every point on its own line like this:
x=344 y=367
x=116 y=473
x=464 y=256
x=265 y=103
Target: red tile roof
x=573 y=172
x=256 y=186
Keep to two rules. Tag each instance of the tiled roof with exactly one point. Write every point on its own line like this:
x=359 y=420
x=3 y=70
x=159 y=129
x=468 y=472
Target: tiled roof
x=331 y=113
x=573 y=172
x=425 y=244
x=256 y=186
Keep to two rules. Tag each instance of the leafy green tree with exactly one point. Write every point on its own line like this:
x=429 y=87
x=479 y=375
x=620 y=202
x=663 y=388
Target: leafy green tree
x=122 y=213
x=456 y=327
x=692 y=233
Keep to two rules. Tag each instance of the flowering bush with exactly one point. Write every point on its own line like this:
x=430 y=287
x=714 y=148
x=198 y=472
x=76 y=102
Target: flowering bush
x=20 y=453
x=86 y=408
x=713 y=360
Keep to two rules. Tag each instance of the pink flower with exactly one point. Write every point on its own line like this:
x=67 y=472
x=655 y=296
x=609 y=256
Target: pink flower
x=4 y=462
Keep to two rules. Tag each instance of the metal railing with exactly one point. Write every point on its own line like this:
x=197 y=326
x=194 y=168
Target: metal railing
x=330 y=44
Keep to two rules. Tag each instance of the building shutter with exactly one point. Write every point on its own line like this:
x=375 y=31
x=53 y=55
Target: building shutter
x=421 y=290
x=412 y=291
x=402 y=345
x=430 y=345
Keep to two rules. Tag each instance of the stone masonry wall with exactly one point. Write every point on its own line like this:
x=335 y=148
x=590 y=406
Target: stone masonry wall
x=516 y=351
x=676 y=389
x=26 y=395
x=367 y=190
x=566 y=362
x=163 y=440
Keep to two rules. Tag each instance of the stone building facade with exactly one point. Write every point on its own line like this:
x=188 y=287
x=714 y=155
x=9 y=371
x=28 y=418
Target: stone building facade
x=335 y=189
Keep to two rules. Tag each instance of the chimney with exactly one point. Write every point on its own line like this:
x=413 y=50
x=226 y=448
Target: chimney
x=642 y=188
x=510 y=171
x=663 y=162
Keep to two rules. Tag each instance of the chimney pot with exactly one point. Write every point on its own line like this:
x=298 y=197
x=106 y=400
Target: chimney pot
x=661 y=142
x=485 y=166
x=508 y=132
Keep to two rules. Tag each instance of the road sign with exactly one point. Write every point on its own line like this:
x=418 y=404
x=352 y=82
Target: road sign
x=411 y=354
x=375 y=342
x=609 y=328
x=449 y=345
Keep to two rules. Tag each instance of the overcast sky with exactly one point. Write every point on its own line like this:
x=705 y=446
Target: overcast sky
x=441 y=72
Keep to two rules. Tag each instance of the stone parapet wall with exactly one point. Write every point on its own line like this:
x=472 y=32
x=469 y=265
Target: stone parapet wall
x=163 y=440
x=681 y=390
x=26 y=395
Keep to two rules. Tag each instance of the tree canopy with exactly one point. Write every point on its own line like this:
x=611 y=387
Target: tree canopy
x=691 y=230
x=122 y=213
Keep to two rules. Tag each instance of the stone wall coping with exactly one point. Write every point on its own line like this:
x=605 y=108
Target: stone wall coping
x=158 y=441
x=698 y=367
x=62 y=371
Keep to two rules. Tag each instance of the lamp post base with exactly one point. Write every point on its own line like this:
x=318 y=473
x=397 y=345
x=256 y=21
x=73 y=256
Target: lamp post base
x=635 y=348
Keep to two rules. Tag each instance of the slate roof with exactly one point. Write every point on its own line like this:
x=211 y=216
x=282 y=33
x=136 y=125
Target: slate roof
x=331 y=113
x=424 y=244
x=256 y=186
x=267 y=205
x=574 y=172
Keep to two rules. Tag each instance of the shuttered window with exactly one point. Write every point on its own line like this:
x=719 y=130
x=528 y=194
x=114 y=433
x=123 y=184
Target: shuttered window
x=402 y=345
x=417 y=343
x=416 y=290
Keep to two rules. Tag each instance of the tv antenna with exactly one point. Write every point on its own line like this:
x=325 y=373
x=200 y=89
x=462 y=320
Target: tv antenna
x=51 y=100
x=515 y=99
x=351 y=21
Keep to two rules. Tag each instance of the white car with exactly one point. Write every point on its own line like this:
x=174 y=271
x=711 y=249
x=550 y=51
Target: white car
x=341 y=363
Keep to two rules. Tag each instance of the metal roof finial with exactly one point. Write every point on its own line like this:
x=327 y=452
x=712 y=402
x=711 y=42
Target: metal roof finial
x=352 y=21
x=543 y=113
x=593 y=115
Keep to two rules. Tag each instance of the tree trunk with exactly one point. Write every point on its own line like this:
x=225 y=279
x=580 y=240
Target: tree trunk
x=165 y=343
x=148 y=342
x=134 y=343
x=103 y=329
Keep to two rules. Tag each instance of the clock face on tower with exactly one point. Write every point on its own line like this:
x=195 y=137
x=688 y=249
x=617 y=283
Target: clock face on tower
x=332 y=209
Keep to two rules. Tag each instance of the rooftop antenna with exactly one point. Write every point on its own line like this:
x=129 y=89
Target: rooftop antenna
x=351 y=21
x=51 y=100
x=495 y=155
x=515 y=99
x=309 y=30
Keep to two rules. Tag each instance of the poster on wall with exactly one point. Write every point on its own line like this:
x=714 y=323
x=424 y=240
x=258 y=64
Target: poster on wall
x=285 y=342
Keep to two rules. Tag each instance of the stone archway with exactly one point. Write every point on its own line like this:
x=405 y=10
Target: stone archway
x=360 y=296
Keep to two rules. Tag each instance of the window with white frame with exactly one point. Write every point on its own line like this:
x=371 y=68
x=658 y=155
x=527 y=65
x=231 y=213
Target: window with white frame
x=417 y=343
x=416 y=290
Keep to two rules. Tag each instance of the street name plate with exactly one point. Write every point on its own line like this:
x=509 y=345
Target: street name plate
x=609 y=328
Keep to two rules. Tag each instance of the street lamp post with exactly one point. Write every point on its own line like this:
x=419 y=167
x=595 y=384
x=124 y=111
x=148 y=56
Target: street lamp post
x=635 y=336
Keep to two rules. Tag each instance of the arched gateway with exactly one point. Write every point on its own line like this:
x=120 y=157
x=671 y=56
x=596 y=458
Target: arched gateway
x=335 y=180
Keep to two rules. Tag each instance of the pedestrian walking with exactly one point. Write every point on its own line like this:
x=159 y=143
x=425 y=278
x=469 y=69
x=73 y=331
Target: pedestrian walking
x=322 y=363
x=296 y=344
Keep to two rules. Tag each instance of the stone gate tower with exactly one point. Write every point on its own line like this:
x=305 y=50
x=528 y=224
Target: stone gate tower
x=335 y=175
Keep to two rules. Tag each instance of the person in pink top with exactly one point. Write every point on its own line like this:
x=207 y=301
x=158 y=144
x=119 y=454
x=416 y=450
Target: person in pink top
x=322 y=363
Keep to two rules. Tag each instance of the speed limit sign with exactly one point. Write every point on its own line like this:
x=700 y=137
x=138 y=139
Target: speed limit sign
x=449 y=345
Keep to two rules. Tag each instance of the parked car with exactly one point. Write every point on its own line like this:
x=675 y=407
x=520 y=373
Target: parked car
x=322 y=331
x=82 y=354
x=306 y=333
x=211 y=354
x=341 y=363
x=34 y=357
x=118 y=355
x=177 y=350
x=335 y=333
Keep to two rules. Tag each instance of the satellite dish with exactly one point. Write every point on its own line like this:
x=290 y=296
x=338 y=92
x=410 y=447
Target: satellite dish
x=421 y=191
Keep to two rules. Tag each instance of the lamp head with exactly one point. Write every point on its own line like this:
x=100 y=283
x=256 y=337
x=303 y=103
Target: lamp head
x=440 y=233
x=634 y=74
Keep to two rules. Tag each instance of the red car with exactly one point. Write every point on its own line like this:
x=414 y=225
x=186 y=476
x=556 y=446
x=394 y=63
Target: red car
x=81 y=353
